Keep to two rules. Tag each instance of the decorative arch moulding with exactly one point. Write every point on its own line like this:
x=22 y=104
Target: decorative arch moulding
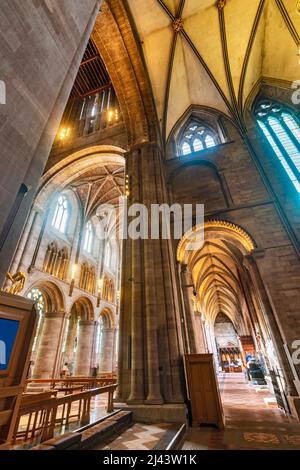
x=236 y=231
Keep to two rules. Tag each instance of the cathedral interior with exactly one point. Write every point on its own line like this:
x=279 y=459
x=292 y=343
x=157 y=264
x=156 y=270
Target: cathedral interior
x=109 y=105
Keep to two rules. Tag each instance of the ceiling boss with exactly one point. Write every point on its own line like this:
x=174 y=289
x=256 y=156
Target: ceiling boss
x=221 y=4
x=178 y=25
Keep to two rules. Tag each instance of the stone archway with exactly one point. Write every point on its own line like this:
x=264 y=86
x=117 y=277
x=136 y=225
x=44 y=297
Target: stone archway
x=150 y=350
x=81 y=334
x=222 y=276
x=50 y=331
x=107 y=342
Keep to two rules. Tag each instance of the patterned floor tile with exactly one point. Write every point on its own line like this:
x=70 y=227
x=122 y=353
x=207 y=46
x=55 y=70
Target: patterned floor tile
x=251 y=423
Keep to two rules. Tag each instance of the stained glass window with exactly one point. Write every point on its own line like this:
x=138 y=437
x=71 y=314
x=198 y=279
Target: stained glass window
x=88 y=240
x=282 y=130
x=61 y=214
x=197 y=138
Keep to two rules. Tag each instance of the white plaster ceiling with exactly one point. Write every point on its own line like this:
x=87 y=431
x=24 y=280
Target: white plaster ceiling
x=259 y=37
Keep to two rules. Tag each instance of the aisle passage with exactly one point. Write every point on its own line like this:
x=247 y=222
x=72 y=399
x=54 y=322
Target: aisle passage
x=253 y=421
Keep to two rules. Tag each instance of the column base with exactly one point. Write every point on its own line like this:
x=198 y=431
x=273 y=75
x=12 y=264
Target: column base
x=156 y=413
x=135 y=401
x=294 y=403
x=154 y=401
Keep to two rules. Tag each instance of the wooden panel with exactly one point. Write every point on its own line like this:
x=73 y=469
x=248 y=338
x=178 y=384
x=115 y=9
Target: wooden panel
x=17 y=341
x=4 y=417
x=203 y=390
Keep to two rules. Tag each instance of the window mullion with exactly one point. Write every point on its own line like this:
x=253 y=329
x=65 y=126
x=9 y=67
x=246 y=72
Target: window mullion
x=283 y=151
x=290 y=133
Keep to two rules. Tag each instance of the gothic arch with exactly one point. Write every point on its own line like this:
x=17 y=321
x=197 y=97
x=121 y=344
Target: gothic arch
x=55 y=299
x=63 y=173
x=84 y=307
x=220 y=229
x=118 y=48
x=107 y=318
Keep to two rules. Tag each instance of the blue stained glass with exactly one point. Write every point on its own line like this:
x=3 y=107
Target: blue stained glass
x=280 y=132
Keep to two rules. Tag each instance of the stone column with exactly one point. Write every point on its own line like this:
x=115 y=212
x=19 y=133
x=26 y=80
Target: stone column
x=22 y=245
x=273 y=324
x=69 y=352
x=38 y=242
x=200 y=334
x=188 y=291
x=28 y=242
x=84 y=347
x=135 y=343
x=49 y=346
x=150 y=368
x=107 y=350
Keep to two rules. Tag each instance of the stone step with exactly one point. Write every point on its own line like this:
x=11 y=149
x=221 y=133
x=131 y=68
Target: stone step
x=114 y=425
x=91 y=435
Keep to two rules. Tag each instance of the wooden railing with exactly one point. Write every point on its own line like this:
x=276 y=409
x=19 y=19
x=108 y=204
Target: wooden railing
x=46 y=411
x=84 y=382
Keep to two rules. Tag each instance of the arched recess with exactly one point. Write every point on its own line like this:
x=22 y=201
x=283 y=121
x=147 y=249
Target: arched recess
x=107 y=318
x=106 y=342
x=49 y=333
x=84 y=309
x=215 y=269
x=55 y=299
x=211 y=118
x=225 y=279
x=81 y=317
x=80 y=337
x=199 y=182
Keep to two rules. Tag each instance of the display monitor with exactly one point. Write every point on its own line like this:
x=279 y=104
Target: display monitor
x=8 y=334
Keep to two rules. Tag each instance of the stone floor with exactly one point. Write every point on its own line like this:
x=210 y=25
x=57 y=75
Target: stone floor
x=253 y=421
x=142 y=437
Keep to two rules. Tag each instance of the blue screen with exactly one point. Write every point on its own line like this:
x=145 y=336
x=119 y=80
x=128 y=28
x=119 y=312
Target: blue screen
x=8 y=334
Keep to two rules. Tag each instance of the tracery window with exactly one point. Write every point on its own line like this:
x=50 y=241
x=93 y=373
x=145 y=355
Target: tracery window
x=281 y=128
x=87 y=279
x=37 y=296
x=56 y=262
x=88 y=240
x=197 y=137
x=61 y=213
x=108 y=253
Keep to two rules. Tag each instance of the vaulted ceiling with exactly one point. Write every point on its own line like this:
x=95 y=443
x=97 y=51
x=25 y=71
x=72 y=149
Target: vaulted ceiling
x=213 y=53
x=100 y=186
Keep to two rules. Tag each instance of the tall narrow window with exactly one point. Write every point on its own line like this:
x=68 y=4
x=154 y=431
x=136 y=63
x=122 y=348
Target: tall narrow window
x=186 y=149
x=61 y=214
x=108 y=255
x=282 y=130
x=88 y=239
x=196 y=138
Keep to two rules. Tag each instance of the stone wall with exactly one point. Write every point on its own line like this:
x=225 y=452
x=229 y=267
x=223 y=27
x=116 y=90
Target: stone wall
x=252 y=206
x=42 y=44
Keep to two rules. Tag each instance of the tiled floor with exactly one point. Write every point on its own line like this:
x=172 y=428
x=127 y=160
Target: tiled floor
x=252 y=421
x=142 y=437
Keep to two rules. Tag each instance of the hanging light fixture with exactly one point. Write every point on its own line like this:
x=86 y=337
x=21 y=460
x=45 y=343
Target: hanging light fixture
x=64 y=132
